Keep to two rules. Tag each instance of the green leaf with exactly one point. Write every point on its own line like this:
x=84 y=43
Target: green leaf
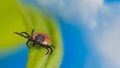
x=10 y=21
x=34 y=19
x=18 y=17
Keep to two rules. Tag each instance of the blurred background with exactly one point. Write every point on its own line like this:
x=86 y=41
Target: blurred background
x=89 y=29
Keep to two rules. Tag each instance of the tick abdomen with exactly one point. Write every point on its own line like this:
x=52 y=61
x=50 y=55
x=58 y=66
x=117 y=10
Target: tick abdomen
x=41 y=38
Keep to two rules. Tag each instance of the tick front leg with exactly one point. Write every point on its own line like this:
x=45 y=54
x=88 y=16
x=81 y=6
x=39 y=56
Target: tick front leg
x=25 y=34
x=21 y=35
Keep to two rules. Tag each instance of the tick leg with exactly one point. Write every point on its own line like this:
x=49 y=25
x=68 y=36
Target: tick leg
x=51 y=50
x=32 y=33
x=25 y=33
x=21 y=35
x=47 y=51
x=27 y=43
x=48 y=48
x=34 y=43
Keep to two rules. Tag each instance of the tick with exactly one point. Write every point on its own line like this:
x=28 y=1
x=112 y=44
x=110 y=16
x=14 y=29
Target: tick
x=38 y=38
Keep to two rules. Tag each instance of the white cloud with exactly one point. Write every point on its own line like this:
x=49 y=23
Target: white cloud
x=86 y=10
x=93 y=24
x=108 y=44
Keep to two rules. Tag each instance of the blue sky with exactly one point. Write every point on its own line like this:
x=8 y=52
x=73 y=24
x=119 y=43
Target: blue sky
x=112 y=1
x=90 y=30
x=99 y=22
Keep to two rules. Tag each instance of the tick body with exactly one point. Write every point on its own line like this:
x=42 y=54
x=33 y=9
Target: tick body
x=41 y=38
x=38 y=38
